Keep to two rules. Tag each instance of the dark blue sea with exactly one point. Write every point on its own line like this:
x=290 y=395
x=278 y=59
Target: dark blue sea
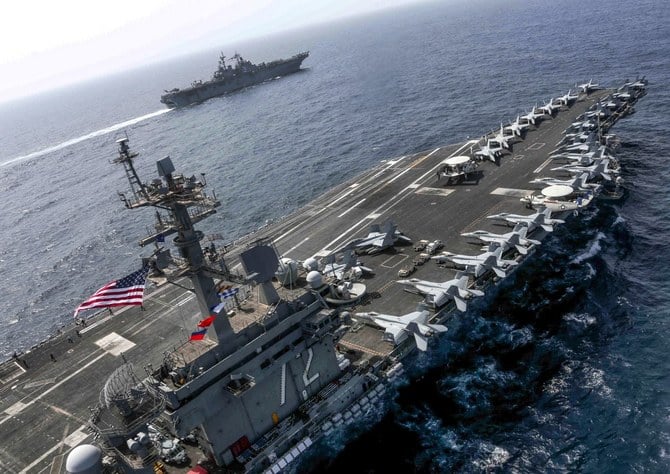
x=565 y=367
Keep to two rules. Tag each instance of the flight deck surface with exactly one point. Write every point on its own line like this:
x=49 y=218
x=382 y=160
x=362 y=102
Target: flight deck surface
x=47 y=393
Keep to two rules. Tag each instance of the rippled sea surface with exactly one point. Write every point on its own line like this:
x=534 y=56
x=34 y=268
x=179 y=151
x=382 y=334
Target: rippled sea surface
x=565 y=367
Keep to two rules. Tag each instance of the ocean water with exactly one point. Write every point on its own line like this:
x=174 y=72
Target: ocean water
x=565 y=367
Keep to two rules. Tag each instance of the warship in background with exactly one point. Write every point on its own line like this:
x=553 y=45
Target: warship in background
x=281 y=355
x=231 y=77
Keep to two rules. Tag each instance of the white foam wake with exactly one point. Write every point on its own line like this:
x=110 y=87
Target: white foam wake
x=73 y=141
x=593 y=249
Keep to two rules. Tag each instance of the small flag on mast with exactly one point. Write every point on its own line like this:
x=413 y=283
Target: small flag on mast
x=198 y=335
x=202 y=325
x=228 y=293
x=128 y=291
x=207 y=322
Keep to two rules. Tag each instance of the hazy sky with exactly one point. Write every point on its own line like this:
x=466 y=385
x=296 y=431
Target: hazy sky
x=45 y=43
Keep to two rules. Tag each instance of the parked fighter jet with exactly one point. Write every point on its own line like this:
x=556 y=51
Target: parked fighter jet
x=517 y=127
x=578 y=183
x=438 y=294
x=533 y=117
x=588 y=87
x=589 y=144
x=479 y=264
x=378 y=239
x=539 y=219
x=599 y=167
x=548 y=108
x=492 y=150
x=515 y=239
x=567 y=99
x=396 y=328
x=506 y=137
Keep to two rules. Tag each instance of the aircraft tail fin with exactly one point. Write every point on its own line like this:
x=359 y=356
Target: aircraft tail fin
x=499 y=271
x=422 y=331
x=461 y=305
x=419 y=337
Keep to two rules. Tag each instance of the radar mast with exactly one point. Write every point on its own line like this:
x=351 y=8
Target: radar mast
x=186 y=203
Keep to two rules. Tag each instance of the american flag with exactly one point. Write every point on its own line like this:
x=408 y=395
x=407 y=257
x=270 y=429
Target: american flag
x=128 y=291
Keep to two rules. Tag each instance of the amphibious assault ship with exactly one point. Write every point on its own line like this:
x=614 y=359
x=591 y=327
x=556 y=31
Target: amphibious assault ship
x=231 y=77
x=246 y=355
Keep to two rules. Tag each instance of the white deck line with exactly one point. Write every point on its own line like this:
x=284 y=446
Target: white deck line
x=380 y=210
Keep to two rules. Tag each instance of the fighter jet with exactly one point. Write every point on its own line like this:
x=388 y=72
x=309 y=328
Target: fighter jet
x=599 y=167
x=479 y=264
x=378 y=239
x=539 y=219
x=578 y=183
x=578 y=136
x=549 y=108
x=637 y=84
x=515 y=239
x=588 y=87
x=438 y=294
x=582 y=125
x=492 y=150
x=577 y=147
x=567 y=99
x=506 y=137
x=517 y=127
x=533 y=116
x=397 y=328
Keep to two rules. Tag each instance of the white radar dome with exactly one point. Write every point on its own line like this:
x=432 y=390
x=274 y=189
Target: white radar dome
x=314 y=279
x=310 y=264
x=84 y=459
x=287 y=272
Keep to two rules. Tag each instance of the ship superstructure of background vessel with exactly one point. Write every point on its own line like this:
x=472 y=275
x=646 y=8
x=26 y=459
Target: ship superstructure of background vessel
x=310 y=342
x=231 y=77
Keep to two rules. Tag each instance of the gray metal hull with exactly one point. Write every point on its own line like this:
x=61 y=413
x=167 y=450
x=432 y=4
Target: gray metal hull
x=207 y=90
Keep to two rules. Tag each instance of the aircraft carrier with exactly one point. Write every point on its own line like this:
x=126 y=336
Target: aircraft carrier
x=299 y=349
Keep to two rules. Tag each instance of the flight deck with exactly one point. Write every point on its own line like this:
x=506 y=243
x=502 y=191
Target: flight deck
x=47 y=393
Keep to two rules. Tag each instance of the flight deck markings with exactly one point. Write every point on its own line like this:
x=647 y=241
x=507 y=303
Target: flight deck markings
x=39 y=383
x=297 y=245
x=386 y=206
x=186 y=300
x=345 y=212
x=332 y=203
x=15 y=408
x=434 y=191
x=542 y=166
x=511 y=192
x=74 y=439
x=387 y=263
x=420 y=160
x=114 y=344
x=536 y=146
x=18 y=406
x=399 y=175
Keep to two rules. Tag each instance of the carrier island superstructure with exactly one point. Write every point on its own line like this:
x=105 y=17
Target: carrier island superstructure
x=302 y=347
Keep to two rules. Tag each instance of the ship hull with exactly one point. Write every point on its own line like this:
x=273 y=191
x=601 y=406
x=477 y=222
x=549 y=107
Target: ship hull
x=210 y=89
x=244 y=406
